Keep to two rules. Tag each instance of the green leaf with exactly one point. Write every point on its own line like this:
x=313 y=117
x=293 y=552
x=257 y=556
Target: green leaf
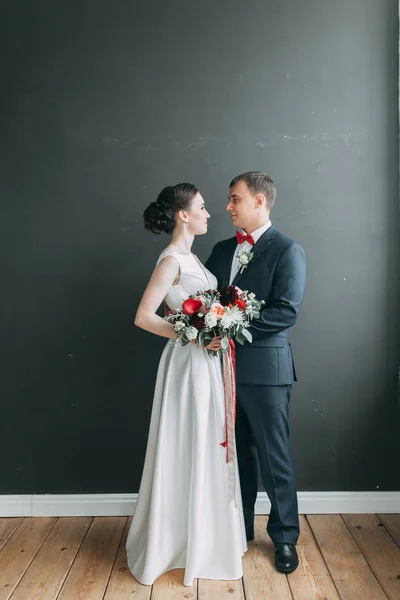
x=207 y=339
x=224 y=343
x=240 y=339
x=246 y=333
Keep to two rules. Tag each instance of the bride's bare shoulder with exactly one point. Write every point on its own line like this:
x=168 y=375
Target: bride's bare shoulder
x=168 y=265
x=167 y=257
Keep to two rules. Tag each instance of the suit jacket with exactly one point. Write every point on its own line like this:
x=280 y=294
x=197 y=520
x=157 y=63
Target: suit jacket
x=277 y=275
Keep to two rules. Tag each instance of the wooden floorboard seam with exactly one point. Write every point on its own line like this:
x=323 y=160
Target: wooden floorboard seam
x=389 y=532
x=34 y=556
x=322 y=556
x=12 y=533
x=365 y=557
x=121 y=541
x=243 y=588
x=71 y=565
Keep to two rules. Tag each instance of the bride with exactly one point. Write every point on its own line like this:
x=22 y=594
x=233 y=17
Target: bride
x=185 y=516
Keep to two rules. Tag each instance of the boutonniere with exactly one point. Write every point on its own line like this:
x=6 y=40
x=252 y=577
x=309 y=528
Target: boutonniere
x=244 y=259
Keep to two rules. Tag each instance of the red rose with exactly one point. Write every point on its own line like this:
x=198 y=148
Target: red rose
x=228 y=295
x=197 y=322
x=191 y=306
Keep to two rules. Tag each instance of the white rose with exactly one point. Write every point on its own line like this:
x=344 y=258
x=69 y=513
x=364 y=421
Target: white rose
x=251 y=296
x=244 y=259
x=210 y=320
x=179 y=326
x=191 y=333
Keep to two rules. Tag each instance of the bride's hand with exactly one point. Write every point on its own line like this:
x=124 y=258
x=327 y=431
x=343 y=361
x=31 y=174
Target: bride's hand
x=215 y=344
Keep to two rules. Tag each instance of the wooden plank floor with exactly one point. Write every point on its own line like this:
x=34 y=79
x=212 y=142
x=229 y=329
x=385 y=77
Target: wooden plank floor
x=342 y=557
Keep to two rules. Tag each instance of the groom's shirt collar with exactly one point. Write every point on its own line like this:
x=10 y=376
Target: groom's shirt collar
x=257 y=233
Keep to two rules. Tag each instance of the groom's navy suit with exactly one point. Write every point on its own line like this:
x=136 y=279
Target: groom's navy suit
x=264 y=374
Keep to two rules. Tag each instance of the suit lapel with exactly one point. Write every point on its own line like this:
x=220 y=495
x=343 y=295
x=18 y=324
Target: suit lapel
x=228 y=258
x=258 y=249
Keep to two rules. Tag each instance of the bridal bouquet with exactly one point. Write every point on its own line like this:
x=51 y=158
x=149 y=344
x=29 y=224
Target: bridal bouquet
x=226 y=314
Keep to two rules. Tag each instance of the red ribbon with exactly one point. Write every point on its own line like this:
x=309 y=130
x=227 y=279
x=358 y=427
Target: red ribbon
x=229 y=374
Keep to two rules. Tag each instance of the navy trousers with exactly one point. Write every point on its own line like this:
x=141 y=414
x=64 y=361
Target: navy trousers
x=262 y=436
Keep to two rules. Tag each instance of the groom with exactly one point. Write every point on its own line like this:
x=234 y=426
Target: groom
x=276 y=273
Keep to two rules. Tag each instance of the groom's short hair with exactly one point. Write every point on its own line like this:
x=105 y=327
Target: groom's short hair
x=258 y=183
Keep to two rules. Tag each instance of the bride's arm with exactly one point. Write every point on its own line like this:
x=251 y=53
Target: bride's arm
x=164 y=276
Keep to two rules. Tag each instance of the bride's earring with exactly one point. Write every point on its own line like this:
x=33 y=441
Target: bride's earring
x=187 y=223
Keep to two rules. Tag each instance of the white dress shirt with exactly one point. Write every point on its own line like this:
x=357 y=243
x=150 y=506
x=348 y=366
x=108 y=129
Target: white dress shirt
x=246 y=247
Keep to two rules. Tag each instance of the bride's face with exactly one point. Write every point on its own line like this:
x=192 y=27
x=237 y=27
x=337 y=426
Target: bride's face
x=198 y=216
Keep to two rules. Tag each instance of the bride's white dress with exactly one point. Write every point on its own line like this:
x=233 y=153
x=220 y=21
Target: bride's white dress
x=184 y=516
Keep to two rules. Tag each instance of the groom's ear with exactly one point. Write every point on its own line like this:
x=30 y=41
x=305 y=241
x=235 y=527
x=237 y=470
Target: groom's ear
x=260 y=200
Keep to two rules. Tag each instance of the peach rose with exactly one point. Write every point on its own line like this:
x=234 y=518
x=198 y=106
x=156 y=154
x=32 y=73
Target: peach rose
x=218 y=310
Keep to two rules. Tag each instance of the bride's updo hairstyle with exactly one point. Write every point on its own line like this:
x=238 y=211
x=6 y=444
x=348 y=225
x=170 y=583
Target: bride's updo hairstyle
x=159 y=216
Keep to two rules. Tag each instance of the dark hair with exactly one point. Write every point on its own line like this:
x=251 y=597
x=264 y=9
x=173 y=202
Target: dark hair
x=159 y=217
x=258 y=183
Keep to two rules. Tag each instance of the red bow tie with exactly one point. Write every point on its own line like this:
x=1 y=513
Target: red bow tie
x=241 y=237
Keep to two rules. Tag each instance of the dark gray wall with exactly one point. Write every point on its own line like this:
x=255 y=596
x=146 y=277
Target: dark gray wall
x=105 y=103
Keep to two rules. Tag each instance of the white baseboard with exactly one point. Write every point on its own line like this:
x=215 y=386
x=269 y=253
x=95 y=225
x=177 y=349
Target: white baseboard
x=94 y=505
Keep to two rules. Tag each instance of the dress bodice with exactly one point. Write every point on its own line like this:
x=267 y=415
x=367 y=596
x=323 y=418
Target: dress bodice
x=194 y=277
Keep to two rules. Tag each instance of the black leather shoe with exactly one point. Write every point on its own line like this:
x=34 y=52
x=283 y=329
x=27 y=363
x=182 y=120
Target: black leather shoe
x=286 y=559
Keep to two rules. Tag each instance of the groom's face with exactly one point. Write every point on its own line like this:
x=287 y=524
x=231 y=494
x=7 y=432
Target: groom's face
x=242 y=206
